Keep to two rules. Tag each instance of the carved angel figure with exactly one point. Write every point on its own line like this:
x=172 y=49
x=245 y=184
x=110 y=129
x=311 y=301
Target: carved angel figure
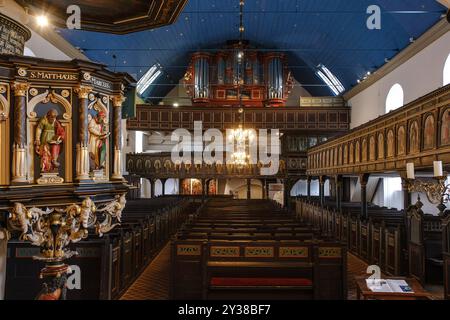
x=111 y=210
x=29 y=222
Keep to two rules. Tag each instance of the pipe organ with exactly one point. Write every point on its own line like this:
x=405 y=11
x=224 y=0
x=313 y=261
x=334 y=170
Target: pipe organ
x=238 y=75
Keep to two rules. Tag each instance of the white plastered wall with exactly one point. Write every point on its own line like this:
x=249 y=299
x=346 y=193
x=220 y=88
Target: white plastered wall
x=418 y=76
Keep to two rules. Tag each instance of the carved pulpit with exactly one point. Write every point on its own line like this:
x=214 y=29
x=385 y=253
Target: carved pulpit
x=61 y=162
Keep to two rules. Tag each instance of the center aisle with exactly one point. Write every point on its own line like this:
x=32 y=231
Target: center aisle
x=153 y=283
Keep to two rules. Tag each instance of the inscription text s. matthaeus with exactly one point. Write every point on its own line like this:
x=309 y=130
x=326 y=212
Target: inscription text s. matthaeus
x=53 y=76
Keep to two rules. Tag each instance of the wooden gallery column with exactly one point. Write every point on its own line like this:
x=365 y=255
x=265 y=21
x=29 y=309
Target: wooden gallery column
x=117 y=164
x=322 y=180
x=19 y=167
x=339 y=183
x=406 y=193
x=363 y=179
x=82 y=165
x=308 y=187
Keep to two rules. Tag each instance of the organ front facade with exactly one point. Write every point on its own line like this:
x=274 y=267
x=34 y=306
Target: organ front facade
x=239 y=75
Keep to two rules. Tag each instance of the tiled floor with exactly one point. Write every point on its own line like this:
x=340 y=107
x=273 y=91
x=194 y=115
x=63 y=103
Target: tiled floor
x=153 y=284
x=355 y=267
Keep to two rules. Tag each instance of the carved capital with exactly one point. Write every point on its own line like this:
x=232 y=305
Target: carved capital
x=83 y=92
x=118 y=100
x=20 y=89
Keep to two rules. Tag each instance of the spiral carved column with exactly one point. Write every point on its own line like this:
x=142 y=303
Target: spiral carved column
x=82 y=166
x=19 y=168
x=117 y=104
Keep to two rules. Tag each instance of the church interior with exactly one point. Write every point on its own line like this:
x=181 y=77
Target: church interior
x=225 y=150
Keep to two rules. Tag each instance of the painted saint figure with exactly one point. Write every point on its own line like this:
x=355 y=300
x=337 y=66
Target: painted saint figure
x=445 y=130
x=98 y=133
x=50 y=134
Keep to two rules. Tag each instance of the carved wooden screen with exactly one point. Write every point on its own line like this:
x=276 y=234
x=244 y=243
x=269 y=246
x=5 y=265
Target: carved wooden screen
x=416 y=251
x=446 y=234
x=447 y=276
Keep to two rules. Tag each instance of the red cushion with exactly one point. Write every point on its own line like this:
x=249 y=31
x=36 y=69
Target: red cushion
x=261 y=282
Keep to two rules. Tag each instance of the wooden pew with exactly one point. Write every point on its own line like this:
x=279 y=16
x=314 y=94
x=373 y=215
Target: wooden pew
x=273 y=270
x=425 y=246
x=192 y=272
x=378 y=240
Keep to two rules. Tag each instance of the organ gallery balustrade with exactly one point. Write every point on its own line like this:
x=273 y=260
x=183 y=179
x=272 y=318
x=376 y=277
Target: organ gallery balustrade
x=317 y=118
x=161 y=166
x=419 y=132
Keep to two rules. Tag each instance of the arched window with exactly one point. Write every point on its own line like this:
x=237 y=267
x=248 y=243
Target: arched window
x=395 y=98
x=447 y=71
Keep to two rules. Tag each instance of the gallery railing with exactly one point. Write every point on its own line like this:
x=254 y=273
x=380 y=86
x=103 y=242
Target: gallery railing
x=161 y=166
x=319 y=118
x=419 y=132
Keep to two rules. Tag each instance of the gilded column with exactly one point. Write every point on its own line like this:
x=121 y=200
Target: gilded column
x=117 y=164
x=82 y=167
x=19 y=167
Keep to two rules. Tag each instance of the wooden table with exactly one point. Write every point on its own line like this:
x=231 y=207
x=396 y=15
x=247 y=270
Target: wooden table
x=363 y=292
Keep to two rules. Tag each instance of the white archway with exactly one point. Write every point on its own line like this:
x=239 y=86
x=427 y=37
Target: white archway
x=447 y=71
x=158 y=188
x=395 y=98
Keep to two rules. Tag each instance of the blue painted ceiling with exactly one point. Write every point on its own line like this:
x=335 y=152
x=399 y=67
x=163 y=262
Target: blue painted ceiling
x=311 y=32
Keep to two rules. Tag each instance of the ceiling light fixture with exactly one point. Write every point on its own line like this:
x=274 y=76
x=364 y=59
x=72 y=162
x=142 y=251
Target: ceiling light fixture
x=330 y=79
x=148 y=78
x=42 y=21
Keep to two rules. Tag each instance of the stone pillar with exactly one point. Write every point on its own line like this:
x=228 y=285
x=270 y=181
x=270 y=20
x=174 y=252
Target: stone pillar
x=82 y=165
x=308 y=187
x=249 y=189
x=364 y=178
x=117 y=163
x=19 y=165
x=322 y=180
x=339 y=184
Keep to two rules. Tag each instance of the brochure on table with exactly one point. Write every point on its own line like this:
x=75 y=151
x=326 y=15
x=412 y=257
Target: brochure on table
x=394 y=286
